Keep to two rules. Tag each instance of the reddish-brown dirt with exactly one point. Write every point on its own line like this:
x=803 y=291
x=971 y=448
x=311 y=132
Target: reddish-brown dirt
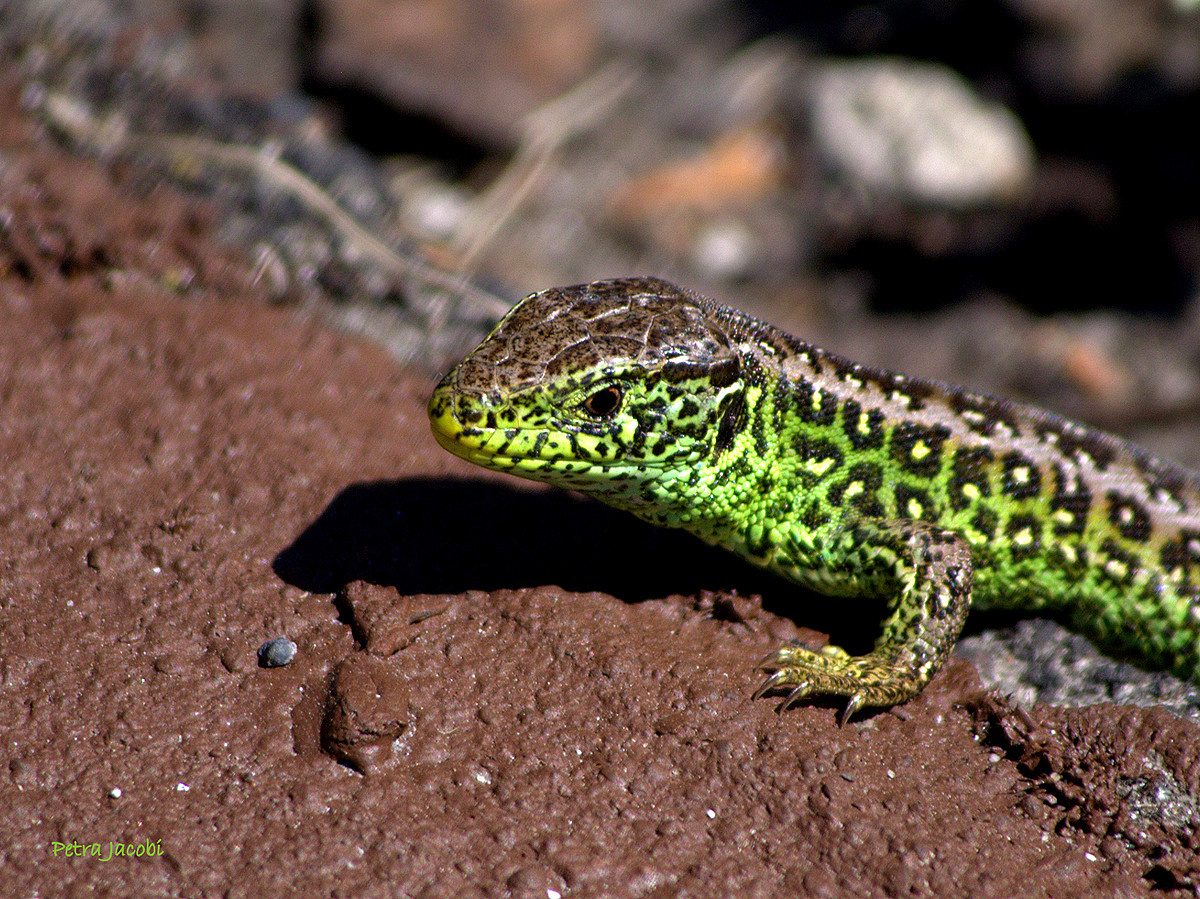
x=188 y=473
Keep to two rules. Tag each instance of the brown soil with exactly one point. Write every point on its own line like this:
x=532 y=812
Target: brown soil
x=189 y=473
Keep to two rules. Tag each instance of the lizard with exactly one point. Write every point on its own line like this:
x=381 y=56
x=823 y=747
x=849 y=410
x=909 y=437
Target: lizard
x=843 y=478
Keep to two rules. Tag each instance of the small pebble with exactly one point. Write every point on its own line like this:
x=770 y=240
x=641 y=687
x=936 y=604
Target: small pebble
x=725 y=250
x=276 y=653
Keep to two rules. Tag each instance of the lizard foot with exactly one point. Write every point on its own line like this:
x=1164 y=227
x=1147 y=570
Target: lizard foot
x=866 y=681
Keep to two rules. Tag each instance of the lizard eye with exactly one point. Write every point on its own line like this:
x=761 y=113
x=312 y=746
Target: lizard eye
x=604 y=403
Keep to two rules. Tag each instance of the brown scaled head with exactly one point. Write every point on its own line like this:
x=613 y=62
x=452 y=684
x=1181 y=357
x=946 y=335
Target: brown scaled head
x=645 y=322
x=602 y=387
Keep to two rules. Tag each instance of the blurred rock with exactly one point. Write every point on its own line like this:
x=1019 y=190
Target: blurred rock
x=736 y=169
x=480 y=66
x=706 y=207
x=1084 y=49
x=223 y=30
x=917 y=131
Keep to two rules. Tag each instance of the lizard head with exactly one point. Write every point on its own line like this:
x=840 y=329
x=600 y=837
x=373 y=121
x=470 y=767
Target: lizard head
x=593 y=387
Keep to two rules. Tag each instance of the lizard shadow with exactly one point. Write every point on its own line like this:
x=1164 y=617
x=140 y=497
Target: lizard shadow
x=450 y=535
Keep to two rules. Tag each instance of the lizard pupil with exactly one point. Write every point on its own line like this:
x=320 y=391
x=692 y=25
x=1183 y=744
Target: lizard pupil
x=603 y=403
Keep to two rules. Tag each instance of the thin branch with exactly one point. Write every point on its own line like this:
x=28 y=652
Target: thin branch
x=544 y=132
x=111 y=135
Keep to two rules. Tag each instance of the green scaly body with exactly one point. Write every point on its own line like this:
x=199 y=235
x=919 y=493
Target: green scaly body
x=846 y=479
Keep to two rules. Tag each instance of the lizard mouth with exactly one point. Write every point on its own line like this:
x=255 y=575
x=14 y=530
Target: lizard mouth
x=490 y=447
x=483 y=446
x=537 y=449
x=515 y=450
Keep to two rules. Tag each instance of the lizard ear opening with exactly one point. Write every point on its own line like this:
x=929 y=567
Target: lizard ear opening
x=733 y=418
x=605 y=402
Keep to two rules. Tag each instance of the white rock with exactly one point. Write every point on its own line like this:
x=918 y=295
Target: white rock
x=918 y=131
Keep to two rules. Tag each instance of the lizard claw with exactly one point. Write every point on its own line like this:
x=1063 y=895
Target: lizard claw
x=798 y=694
x=775 y=659
x=785 y=678
x=775 y=680
x=853 y=705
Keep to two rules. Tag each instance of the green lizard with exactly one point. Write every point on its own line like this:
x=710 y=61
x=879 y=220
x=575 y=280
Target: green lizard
x=846 y=479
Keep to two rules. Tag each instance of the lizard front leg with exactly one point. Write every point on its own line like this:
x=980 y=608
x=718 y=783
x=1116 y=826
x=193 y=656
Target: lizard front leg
x=925 y=573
